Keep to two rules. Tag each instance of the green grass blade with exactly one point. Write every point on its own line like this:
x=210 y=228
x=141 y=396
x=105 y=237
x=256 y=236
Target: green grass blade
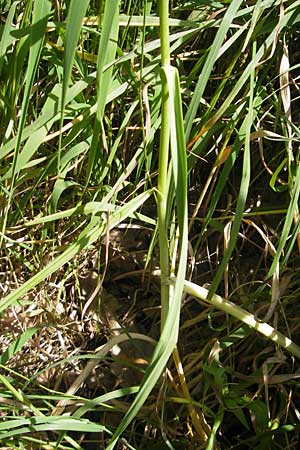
x=209 y=63
x=106 y=54
x=77 y=11
x=40 y=16
x=39 y=424
x=6 y=38
x=17 y=345
x=244 y=187
x=293 y=205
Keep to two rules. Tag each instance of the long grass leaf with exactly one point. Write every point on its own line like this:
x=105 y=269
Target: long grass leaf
x=77 y=11
x=293 y=205
x=6 y=38
x=40 y=16
x=209 y=63
x=17 y=345
x=106 y=54
x=241 y=201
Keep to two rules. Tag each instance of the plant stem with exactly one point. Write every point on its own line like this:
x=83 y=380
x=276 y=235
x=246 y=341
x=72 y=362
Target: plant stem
x=163 y=8
x=162 y=204
x=242 y=315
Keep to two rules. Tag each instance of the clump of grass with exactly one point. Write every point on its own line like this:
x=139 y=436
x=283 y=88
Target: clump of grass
x=149 y=196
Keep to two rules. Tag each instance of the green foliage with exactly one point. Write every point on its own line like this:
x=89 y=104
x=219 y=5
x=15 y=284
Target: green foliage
x=179 y=119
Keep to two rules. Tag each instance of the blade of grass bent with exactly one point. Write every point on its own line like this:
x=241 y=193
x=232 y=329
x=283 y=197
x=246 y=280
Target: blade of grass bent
x=48 y=423
x=293 y=205
x=16 y=346
x=94 y=230
x=138 y=21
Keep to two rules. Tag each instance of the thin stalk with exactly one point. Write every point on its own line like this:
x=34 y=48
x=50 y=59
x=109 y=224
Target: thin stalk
x=162 y=186
x=162 y=203
x=163 y=10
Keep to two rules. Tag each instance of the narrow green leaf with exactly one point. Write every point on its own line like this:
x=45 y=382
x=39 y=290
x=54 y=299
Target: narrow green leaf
x=6 y=38
x=106 y=54
x=77 y=11
x=209 y=63
x=274 y=177
x=241 y=201
x=41 y=13
x=50 y=423
x=17 y=345
x=293 y=205
x=59 y=187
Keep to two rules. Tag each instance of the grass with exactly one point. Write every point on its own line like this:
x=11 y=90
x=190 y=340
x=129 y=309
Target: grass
x=149 y=189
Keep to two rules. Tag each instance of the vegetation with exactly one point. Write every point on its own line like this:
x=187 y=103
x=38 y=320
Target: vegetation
x=150 y=231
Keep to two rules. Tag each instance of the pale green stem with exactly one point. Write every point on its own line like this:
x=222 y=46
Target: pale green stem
x=163 y=9
x=242 y=315
x=163 y=163
x=162 y=202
